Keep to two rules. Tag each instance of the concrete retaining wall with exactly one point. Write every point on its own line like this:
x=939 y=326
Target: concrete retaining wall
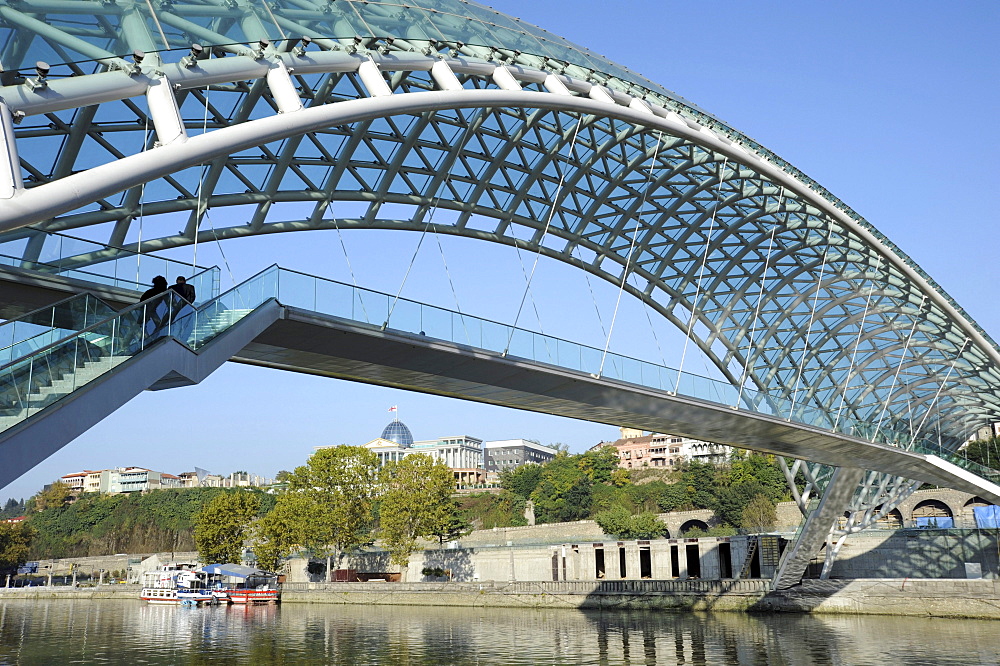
x=928 y=598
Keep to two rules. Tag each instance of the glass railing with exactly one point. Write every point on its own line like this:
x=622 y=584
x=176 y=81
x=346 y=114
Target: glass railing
x=957 y=460
x=32 y=383
x=27 y=334
x=82 y=259
x=44 y=326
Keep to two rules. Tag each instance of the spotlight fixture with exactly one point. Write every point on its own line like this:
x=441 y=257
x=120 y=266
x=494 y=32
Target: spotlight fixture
x=300 y=51
x=41 y=73
x=192 y=58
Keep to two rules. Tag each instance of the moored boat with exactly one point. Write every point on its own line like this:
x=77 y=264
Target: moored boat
x=176 y=584
x=247 y=585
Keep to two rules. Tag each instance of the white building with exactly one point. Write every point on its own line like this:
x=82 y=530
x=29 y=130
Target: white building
x=463 y=454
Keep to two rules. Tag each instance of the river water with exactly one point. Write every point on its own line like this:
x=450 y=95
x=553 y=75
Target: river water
x=130 y=632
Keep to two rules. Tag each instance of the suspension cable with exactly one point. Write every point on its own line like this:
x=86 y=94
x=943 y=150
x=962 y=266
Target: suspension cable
x=142 y=200
x=812 y=319
x=347 y=258
x=899 y=367
x=454 y=293
x=857 y=343
x=552 y=211
x=652 y=328
x=445 y=184
x=760 y=298
x=631 y=251
x=938 y=394
x=524 y=274
x=201 y=182
x=701 y=272
x=593 y=297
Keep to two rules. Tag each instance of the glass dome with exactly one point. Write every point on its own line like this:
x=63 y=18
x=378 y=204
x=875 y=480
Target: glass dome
x=399 y=433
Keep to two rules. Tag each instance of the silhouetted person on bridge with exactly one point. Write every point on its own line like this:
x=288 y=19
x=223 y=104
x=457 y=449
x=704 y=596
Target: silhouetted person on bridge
x=159 y=286
x=183 y=315
x=183 y=289
x=154 y=315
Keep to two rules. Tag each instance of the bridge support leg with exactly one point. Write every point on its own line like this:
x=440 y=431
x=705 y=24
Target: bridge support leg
x=836 y=498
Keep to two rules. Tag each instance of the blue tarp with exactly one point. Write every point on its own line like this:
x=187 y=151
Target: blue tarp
x=941 y=522
x=234 y=570
x=28 y=568
x=987 y=517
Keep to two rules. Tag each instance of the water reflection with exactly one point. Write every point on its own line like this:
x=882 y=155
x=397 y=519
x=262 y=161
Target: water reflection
x=114 y=631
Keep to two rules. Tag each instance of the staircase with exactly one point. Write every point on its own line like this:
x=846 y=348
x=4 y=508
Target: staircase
x=52 y=394
x=752 y=542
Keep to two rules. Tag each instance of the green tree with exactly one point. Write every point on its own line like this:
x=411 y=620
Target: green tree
x=521 y=480
x=417 y=502
x=731 y=501
x=564 y=491
x=599 y=465
x=15 y=539
x=759 y=515
x=455 y=526
x=700 y=484
x=55 y=496
x=282 y=531
x=984 y=451
x=619 y=523
x=223 y=525
x=329 y=508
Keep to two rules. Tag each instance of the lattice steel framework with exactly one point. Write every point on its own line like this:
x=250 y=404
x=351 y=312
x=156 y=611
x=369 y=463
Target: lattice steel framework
x=526 y=140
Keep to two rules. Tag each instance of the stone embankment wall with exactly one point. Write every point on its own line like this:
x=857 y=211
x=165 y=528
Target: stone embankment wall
x=925 y=598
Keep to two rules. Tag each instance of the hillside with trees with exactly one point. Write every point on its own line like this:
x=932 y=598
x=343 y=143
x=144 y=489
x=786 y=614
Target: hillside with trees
x=743 y=493
x=100 y=524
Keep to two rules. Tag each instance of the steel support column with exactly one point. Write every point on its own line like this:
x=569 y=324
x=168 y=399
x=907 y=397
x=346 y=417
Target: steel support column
x=816 y=530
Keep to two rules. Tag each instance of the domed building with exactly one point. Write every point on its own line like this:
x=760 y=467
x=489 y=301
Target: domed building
x=398 y=432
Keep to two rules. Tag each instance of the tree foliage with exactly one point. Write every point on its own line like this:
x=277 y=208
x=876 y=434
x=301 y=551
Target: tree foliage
x=329 y=507
x=13 y=508
x=619 y=523
x=54 y=496
x=96 y=524
x=15 y=540
x=759 y=515
x=984 y=451
x=563 y=492
x=416 y=503
x=223 y=525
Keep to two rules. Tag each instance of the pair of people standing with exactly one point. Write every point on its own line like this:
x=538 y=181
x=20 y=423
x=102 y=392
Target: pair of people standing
x=183 y=289
x=155 y=315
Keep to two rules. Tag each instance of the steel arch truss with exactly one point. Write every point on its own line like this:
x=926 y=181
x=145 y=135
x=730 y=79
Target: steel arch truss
x=790 y=292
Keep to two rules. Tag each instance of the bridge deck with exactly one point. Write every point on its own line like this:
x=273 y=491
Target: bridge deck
x=312 y=343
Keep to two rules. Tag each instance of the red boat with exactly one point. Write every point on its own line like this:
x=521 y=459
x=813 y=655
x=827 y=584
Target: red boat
x=246 y=585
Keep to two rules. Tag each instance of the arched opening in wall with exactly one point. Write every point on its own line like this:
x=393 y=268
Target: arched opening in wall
x=974 y=502
x=984 y=514
x=893 y=520
x=693 y=528
x=933 y=513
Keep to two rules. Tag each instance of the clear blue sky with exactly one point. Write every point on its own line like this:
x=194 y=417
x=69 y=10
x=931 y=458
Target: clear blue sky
x=891 y=105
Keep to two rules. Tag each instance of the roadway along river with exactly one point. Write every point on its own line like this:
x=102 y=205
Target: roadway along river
x=129 y=632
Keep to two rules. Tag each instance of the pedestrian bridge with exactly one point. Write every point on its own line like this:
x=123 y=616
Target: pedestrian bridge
x=442 y=117
x=57 y=381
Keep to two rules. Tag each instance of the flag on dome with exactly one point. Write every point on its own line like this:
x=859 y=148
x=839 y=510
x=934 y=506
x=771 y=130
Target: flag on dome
x=393 y=408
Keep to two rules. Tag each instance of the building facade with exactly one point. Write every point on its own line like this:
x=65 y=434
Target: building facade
x=505 y=454
x=462 y=454
x=636 y=450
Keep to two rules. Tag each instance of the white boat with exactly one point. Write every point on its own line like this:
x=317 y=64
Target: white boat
x=176 y=584
x=247 y=585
